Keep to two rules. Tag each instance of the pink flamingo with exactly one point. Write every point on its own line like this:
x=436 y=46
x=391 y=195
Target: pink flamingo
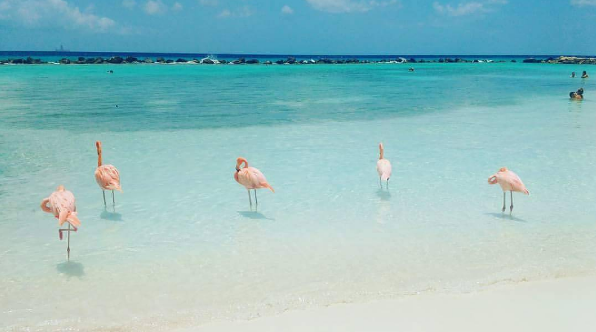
x=107 y=176
x=62 y=206
x=250 y=178
x=383 y=167
x=508 y=181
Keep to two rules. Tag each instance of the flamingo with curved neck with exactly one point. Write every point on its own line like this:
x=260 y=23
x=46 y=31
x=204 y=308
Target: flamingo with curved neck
x=61 y=203
x=250 y=178
x=107 y=176
x=508 y=181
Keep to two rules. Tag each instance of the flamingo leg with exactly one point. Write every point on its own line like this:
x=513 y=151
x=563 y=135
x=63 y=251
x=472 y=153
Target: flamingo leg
x=113 y=201
x=387 y=183
x=511 y=207
x=256 y=200
x=104 y=197
x=249 y=199
x=380 y=182
x=68 y=245
x=503 y=210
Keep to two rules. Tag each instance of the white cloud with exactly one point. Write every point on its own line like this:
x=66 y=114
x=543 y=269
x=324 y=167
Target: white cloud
x=177 y=6
x=129 y=3
x=581 y=3
x=467 y=8
x=224 y=13
x=349 y=6
x=208 y=3
x=43 y=13
x=287 y=10
x=155 y=7
x=244 y=11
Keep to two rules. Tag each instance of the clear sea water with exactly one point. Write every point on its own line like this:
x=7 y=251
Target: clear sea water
x=181 y=247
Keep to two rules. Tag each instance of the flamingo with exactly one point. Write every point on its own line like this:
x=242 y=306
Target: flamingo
x=383 y=167
x=107 y=176
x=250 y=178
x=508 y=181
x=62 y=206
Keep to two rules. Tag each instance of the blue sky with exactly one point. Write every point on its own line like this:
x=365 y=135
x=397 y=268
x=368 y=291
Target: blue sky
x=302 y=26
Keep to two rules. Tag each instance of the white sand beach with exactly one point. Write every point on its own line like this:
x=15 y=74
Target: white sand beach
x=567 y=304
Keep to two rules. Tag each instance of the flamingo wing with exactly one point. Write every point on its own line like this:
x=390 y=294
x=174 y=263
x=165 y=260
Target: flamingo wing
x=516 y=183
x=258 y=179
x=108 y=177
x=384 y=169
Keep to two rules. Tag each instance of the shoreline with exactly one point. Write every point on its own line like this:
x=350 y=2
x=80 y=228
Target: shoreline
x=564 y=304
x=288 y=61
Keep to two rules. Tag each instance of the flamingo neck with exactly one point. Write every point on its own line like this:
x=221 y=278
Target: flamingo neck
x=381 y=154
x=239 y=164
x=98 y=157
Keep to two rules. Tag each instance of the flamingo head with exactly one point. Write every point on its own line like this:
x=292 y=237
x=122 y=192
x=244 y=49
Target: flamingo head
x=381 y=150
x=503 y=169
x=60 y=188
x=239 y=163
x=98 y=146
x=492 y=179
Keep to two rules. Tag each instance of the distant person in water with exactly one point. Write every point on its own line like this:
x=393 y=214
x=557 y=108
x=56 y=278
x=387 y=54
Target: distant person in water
x=584 y=74
x=411 y=69
x=579 y=94
x=572 y=74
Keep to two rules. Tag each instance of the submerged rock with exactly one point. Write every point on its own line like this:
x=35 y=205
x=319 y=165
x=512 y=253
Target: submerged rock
x=532 y=60
x=115 y=60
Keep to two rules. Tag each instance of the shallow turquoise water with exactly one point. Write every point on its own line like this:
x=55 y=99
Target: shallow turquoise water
x=182 y=248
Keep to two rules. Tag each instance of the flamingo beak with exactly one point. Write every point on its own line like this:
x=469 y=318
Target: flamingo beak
x=237 y=169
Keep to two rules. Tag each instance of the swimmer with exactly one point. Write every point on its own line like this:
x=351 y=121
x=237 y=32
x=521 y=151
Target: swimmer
x=411 y=69
x=579 y=95
x=584 y=74
x=572 y=74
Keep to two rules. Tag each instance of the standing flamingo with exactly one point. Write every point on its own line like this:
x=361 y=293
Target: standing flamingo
x=62 y=206
x=250 y=178
x=107 y=176
x=508 y=181
x=383 y=167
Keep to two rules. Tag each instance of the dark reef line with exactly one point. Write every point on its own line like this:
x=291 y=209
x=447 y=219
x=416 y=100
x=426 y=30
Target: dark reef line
x=289 y=60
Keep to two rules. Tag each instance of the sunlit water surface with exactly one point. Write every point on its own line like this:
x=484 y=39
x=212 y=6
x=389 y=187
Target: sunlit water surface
x=182 y=248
